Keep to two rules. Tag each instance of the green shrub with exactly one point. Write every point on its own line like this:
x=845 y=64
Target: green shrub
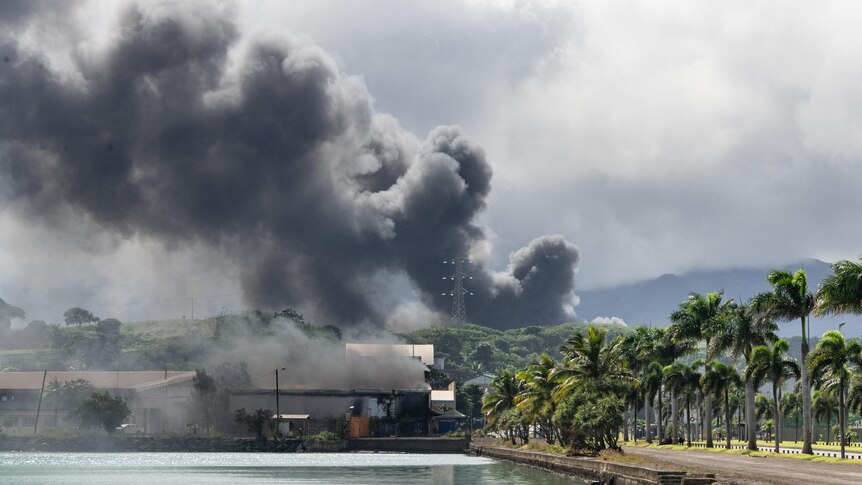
x=324 y=436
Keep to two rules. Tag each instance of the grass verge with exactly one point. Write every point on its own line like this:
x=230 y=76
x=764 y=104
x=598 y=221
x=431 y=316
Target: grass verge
x=756 y=454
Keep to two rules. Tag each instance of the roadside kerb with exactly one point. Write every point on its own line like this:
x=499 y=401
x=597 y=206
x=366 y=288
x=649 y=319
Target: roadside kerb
x=850 y=455
x=593 y=470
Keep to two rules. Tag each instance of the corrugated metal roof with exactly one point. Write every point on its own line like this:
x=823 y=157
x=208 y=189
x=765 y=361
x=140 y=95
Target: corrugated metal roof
x=99 y=380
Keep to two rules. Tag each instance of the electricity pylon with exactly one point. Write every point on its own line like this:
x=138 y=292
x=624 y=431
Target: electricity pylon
x=459 y=310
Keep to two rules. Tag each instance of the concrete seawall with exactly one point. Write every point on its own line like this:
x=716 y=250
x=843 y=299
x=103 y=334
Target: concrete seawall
x=410 y=445
x=593 y=470
x=200 y=444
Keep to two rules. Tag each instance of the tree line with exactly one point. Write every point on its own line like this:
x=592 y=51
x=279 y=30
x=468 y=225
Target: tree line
x=582 y=401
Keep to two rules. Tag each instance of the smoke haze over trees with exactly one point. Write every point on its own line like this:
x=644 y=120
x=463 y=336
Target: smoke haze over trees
x=183 y=130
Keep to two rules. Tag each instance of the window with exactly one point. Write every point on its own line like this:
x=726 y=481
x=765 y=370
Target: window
x=10 y=422
x=29 y=420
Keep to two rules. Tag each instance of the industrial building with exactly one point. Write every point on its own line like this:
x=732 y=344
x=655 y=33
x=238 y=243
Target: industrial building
x=158 y=399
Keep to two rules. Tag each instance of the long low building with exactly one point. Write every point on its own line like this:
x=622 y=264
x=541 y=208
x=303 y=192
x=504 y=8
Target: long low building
x=158 y=399
x=394 y=411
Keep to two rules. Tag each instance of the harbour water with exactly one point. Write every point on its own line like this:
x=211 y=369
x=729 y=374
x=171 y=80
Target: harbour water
x=243 y=468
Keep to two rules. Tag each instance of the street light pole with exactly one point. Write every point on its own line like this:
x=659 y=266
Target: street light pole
x=277 y=408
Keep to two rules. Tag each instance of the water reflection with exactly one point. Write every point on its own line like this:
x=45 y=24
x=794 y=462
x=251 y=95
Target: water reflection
x=245 y=468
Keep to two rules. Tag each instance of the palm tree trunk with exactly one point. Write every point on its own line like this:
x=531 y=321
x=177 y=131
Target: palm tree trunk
x=749 y=414
x=727 y=415
x=846 y=410
x=806 y=396
x=828 y=424
x=674 y=411
x=659 y=418
x=776 y=420
x=635 y=418
x=707 y=421
x=796 y=427
x=625 y=430
x=841 y=421
x=780 y=418
x=647 y=417
x=688 y=418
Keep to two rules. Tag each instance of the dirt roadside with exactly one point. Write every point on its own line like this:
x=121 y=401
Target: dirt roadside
x=746 y=470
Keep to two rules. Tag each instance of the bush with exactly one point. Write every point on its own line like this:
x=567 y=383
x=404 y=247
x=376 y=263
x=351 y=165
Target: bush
x=103 y=410
x=324 y=436
x=590 y=420
x=255 y=421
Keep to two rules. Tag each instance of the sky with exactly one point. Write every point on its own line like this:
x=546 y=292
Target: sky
x=647 y=137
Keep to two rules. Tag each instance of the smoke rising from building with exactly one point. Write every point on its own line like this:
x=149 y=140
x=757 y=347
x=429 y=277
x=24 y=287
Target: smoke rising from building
x=186 y=131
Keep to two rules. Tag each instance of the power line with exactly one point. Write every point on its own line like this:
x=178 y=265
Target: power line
x=459 y=309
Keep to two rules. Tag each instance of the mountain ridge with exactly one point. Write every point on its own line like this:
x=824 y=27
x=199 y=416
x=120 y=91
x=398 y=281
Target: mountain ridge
x=650 y=302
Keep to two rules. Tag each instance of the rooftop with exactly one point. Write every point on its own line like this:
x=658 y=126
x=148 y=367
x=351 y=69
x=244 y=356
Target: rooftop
x=99 y=379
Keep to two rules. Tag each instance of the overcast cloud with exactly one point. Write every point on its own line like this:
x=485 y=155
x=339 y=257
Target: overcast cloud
x=656 y=136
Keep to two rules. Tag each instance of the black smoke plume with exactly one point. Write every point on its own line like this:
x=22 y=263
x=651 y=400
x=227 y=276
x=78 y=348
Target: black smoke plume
x=184 y=132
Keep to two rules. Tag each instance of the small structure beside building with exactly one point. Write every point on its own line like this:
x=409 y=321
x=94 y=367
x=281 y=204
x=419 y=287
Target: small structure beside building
x=482 y=380
x=444 y=417
x=292 y=425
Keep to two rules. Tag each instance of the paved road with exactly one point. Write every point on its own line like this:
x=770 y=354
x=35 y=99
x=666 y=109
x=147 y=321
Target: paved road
x=742 y=469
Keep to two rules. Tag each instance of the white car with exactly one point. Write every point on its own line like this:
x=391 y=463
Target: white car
x=129 y=428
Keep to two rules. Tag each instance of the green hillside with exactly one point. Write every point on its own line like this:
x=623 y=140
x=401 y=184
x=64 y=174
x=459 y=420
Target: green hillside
x=189 y=344
x=475 y=348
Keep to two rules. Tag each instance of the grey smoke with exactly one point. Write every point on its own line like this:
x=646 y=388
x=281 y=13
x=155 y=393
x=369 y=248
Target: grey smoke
x=186 y=132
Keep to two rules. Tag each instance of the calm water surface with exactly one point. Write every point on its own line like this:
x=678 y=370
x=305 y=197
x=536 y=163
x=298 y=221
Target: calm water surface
x=241 y=468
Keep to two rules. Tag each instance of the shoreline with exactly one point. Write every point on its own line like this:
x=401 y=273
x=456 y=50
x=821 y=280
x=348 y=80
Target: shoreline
x=186 y=444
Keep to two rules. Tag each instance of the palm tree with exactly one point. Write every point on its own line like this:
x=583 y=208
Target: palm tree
x=829 y=361
x=651 y=384
x=590 y=357
x=682 y=379
x=537 y=397
x=674 y=378
x=635 y=351
x=743 y=333
x=721 y=377
x=823 y=405
x=666 y=349
x=854 y=394
x=501 y=395
x=842 y=291
x=763 y=411
x=700 y=317
x=791 y=405
x=776 y=366
x=789 y=300
x=692 y=389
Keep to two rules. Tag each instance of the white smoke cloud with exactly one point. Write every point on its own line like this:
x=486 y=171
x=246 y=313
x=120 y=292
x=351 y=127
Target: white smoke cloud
x=616 y=321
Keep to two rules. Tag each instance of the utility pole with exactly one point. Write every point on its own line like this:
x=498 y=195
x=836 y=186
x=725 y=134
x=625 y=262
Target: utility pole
x=277 y=406
x=459 y=310
x=39 y=408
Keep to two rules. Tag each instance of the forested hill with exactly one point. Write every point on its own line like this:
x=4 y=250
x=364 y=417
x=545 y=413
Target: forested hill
x=650 y=302
x=476 y=349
